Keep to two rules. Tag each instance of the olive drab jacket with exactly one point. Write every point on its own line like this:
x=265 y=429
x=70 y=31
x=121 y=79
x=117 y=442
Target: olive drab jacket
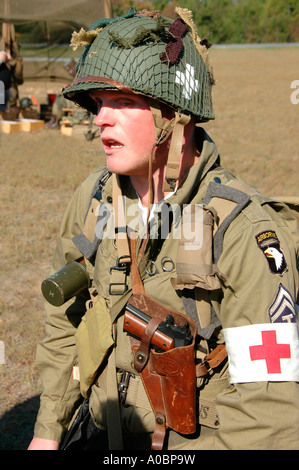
x=241 y=290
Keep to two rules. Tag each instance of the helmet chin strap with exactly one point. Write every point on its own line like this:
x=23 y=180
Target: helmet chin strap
x=164 y=128
x=175 y=151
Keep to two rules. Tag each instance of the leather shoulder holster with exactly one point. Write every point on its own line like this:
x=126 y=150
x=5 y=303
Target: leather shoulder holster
x=169 y=377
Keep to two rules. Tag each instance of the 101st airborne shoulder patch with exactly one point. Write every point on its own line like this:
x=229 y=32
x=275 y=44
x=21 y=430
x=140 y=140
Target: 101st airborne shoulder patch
x=269 y=243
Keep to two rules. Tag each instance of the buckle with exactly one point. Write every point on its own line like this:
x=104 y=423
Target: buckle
x=123 y=385
x=125 y=288
x=119 y=268
x=206 y=365
x=203 y=369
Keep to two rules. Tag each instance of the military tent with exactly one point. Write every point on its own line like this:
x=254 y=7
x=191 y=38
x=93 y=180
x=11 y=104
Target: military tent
x=74 y=13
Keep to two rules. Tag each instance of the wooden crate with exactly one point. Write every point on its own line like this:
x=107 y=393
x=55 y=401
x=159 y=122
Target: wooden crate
x=29 y=125
x=76 y=130
x=9 y=127
x=25 y=125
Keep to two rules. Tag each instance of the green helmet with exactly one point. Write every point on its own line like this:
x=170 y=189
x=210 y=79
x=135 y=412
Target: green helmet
x=149 y=54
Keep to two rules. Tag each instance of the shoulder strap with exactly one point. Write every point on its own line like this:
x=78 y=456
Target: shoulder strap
x=87 y=241
x=225 y=202
x=228 y=201
x=120 y=226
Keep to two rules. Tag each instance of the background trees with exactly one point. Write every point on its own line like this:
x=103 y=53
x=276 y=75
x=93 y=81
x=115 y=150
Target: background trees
x=225 y=21
x=232 y=21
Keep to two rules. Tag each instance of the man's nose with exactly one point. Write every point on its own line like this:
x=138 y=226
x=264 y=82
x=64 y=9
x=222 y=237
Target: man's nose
x=105 y=117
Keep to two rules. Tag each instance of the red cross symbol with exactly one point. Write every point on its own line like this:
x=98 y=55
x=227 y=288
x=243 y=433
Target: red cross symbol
x=270 y=351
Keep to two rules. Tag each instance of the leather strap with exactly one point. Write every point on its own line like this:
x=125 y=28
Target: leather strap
x=137 y=284
x=159 y=432
x=142 y=353
x=213 y=360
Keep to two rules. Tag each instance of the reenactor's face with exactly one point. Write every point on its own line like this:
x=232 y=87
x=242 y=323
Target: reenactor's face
x=127 y=131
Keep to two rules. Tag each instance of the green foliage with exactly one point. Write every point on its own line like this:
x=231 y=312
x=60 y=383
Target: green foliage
x=231 y=21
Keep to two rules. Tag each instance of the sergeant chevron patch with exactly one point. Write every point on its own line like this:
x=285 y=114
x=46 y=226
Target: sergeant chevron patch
x=283 y=308
x=269 y=243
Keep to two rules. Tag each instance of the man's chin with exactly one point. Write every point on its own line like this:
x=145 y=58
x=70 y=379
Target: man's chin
x=117 y=170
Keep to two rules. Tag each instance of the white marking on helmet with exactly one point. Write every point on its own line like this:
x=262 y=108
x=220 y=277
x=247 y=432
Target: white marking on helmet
x=188 y=81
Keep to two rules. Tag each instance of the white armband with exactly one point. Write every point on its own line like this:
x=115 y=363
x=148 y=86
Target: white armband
x=263 y=352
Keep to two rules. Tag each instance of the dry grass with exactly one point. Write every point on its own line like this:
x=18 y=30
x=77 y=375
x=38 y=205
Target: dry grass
x=256 y=131
x=40 y=172
x=256 y=128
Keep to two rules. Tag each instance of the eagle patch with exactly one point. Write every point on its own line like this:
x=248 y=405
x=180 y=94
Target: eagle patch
x=269 y=243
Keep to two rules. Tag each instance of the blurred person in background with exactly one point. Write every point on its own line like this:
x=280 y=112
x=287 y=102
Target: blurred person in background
x=63 y=108
x=5 y=79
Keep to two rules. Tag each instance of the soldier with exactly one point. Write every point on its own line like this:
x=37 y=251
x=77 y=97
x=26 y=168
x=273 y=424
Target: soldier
x=9 y=43
x=187 y=338
x=60 y=103
x=5 y=80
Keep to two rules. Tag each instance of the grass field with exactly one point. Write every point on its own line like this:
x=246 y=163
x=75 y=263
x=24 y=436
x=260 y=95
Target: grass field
x=256 y=131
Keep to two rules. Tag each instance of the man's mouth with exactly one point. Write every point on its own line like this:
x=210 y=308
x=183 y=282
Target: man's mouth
x=111 y=144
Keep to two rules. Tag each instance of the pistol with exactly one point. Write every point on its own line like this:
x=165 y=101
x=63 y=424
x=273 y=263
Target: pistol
x=168 y=334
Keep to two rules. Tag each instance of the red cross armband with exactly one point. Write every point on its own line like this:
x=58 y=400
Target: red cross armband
x=263 y=352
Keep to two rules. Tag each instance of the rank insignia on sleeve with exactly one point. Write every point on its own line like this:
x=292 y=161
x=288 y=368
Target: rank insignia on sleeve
x=268 y=242
x=283 y=308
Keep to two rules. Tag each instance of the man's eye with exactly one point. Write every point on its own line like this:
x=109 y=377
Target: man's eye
x=97 y=101
x=125 y=102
